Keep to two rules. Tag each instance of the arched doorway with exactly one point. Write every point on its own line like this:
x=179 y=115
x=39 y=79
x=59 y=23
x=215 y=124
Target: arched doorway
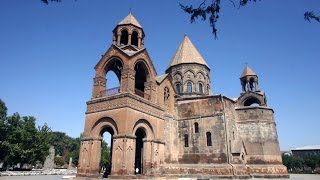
x=138 y=165
x=106 y=150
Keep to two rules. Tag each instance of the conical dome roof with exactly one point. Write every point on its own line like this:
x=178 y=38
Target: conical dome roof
x=130 y=19
x=187 y=53
x=247 y=72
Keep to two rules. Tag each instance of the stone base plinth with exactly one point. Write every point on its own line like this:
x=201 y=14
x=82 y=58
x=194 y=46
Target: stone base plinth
x=268 y=171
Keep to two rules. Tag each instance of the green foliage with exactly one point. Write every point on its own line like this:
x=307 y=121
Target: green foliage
x=105 y=154
x=66 y=146
x=59 y=161
x=3 y=110
x=300 y=164
x=20 y=140
x=3 y=129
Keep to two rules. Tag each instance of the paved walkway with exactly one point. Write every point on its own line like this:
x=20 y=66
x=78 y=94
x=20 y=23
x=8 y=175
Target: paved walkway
x=58 y=177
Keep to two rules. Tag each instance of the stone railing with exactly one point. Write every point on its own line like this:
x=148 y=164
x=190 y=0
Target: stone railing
x=110 y=92
x=116 y=90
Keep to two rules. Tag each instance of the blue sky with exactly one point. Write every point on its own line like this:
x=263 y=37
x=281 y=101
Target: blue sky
x=47 y=55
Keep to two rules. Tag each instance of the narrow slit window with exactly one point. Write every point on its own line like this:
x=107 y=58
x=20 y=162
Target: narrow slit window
x=209 y=142
x=196 y=127
x=178 y=88
x=189 y=87
x=186 y=140
x=200 y=88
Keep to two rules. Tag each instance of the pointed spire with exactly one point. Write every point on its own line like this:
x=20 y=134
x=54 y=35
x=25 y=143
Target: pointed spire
x=130 y=19
x=247 y=72
x=187 y=53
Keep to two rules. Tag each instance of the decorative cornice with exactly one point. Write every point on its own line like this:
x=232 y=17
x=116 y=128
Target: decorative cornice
x=125 y=100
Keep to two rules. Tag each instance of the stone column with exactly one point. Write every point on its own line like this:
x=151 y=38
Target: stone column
x=129 y=38
x=114 y=40
x=139 y=42
x=257 y=87
x=147 y=156
x=90 y=153
x=243 y=85
x=150 y=90
x=130 y=145
x=99 y=87
x=95 y=157
x=117 y=156
x=118 y=40
x=127 y=80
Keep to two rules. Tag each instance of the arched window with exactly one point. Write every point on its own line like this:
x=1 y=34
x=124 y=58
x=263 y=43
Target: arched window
x=178 y=88
x=134 y=38
x=166 y=95
x=200 y=88
x=124 y=37
x=251 y=85
x=189 y=87
x=233 y=135
x=252 y=101
x=186 y=140
x=196 y=127
x=140 y=78
x=209 y=142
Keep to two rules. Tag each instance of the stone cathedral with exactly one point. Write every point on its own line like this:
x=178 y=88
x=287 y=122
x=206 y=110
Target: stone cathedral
x=172 y=125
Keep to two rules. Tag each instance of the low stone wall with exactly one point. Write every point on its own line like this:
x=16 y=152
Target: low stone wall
x=39 y=172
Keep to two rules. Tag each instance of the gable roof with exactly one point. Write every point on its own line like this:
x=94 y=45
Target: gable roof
x=187 y=53
x=160 y=78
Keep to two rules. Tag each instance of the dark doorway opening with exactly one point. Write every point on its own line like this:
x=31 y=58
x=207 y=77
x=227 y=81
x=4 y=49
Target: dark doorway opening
x=134 y=38
x=138 y=165
x=106 y=151
x=140 y=78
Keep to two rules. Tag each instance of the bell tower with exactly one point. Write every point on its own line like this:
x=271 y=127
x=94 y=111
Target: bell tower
x=128 y=32
x=249 y=80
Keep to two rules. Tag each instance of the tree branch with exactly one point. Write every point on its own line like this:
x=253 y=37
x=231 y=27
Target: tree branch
x=310 y=15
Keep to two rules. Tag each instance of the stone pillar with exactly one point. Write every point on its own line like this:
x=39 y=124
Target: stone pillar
x=99 y=87
x=95 y=157
x=150 y=89
x=127 y=80
x=129 y=38
x=114 y=40
x=243 y=85
x=139 y=42
x=123 y=155
x=118 y=40
x=117 y=156
x=70 y=163
x=89 y=159
x=147 y=156
x=129 y=157
x=257 y=87
x=49 y=161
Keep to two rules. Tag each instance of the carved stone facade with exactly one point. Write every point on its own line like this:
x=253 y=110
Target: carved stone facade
x=171 y=125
